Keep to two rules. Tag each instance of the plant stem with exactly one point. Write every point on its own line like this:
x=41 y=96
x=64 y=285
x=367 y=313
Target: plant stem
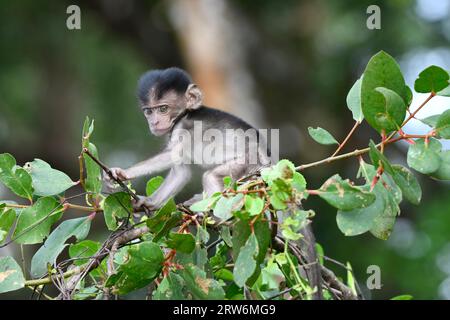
x=341 y=145
x=48 y=280
x=357 y=152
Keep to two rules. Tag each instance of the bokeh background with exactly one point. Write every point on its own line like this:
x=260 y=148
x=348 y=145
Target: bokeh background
x=278 y=64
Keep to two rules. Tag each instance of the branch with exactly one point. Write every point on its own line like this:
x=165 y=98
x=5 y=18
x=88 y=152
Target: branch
x=120 y=182
x=341 y=145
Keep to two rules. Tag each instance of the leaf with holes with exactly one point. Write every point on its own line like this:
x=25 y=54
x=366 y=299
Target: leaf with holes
x=423 y=157
x=11 y=276
x=200 y=286
x=407 y=183
x=226 y=206
x=17 y=179
x=342 y=195
x=46 y=180
x=254 y=205
x=246 y=261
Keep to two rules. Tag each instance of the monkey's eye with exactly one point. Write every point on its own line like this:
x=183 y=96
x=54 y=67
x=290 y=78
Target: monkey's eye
x=163 y=109
x=148 y=111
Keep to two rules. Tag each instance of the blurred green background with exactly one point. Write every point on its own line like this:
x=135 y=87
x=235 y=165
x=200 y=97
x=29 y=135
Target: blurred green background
x=278 y=64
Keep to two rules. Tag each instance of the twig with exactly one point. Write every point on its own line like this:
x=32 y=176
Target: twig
x=120 y=182
x=341 y=145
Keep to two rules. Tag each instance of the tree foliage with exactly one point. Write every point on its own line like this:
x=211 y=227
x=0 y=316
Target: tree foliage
x=225 y=246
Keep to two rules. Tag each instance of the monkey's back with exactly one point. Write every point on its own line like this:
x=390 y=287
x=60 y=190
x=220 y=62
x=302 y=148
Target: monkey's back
x=219 y=119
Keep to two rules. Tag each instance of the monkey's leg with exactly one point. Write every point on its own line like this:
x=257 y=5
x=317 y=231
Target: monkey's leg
x=213 y=179
x=176 y=179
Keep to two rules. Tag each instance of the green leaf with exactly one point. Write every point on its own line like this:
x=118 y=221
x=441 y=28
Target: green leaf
x=34 y=222
x=246 y=261
x=153 y=184
x=284 y=169
x=93 y=181
x=408 y=96
x=142 y=265
x=224 y=274
x=351 y=279
x=83 y=249
x=241 y=232
x=226 y=206
x=86 y=249
x=172 y=221
x=394 y=110
x=183 y=242
x=354 y=101
x=170 y=288
x=205 y=204
x=443 y=173
x=7 y=217
x=379 y=217
x=407 y=183
x=46 y=180
x=14 y=177
x=293 y=222
x=376 y=156
x=226 y=236
x=432 y=79
x=157 y=222
x=443 y=125
x=359 y=221
x=424 y=158
x=56 y=243
x=403 y=297
x=116 y=206
x=431 y=120
x=344 y=196
x=11 y=276
x=321 y=136
x=254 y=205
x=382 y=109
x=200 y=286
x=299 y=182
x=88 y=128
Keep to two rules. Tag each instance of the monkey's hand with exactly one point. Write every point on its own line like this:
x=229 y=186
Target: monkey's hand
x=148 y=202
x=118 y=174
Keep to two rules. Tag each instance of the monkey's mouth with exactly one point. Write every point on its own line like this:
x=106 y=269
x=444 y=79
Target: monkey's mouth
x=159 y=131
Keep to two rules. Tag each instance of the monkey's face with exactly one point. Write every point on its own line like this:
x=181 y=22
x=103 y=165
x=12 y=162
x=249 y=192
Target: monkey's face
x=161 y=113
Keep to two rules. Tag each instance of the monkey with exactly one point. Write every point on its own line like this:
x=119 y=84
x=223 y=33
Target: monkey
x=173 y=107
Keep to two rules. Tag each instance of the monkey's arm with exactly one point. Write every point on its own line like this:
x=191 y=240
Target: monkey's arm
x=176 y=179
x=158 y=163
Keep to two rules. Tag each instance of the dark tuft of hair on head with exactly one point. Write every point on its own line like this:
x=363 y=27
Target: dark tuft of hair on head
x=162 y=81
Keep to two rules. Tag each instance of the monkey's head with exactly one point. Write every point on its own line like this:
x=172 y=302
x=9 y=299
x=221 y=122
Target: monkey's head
x=165 y=96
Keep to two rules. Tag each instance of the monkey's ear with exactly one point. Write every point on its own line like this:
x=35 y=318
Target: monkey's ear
x=194 y=97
